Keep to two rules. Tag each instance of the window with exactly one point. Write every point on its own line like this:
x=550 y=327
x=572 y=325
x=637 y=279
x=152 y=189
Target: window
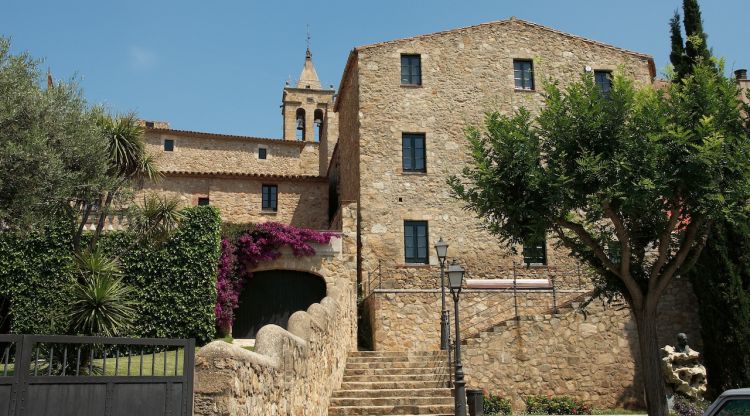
x=413 y=152
x=415 y=242
x=262 y=153
x=523 y=73
x=603 y=80
x=411 y=70
x=203 y=201
x=168 y=145
x=535 y=251
x=739 y=407
x=270 y=197
x=318 y=121
x=149 y=124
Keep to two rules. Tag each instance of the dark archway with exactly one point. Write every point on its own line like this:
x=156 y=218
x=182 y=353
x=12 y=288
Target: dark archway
x=271 y=297
x=4 y=314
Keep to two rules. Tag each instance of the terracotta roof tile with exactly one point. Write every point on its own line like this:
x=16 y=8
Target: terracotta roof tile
x=222 y=174
x=225 y=136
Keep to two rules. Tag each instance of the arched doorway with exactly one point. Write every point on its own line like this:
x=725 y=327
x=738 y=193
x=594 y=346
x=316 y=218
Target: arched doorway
x=271 y=297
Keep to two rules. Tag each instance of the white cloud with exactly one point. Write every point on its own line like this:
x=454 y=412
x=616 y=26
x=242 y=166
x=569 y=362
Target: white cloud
x=142 y=59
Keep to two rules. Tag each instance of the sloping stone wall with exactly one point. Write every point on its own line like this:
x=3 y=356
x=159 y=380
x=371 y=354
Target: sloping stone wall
x=593 y=358
x=291 y=372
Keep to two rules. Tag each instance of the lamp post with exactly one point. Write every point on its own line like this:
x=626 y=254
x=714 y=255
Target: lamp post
x=455 y=279
x=441 y=248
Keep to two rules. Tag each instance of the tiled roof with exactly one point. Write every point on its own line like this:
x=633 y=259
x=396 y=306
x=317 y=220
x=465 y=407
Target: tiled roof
x=205 y=135
x=252 y=175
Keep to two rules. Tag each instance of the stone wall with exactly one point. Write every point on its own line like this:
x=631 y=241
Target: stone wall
x=207 y=152
x=409 y=320
x=593 y=358
x=465 y=73
x=301 y=202
x=291 y=372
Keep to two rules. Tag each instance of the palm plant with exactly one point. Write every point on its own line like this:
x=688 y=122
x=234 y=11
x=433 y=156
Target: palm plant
x=156 y=219
x=101 y=303
x=129 y=164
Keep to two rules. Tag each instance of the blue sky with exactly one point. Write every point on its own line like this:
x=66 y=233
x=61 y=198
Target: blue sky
x=220 y=66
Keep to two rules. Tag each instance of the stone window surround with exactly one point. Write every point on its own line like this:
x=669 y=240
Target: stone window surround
x=163 y=144
x=268 y=154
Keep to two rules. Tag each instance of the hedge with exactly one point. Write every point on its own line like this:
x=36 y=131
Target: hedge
x=175 y=282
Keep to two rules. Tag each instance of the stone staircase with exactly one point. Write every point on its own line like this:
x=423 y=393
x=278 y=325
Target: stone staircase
x=564 y=308
x=394 y=383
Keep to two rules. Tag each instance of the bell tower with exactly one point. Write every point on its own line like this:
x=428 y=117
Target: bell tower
x=305 y=106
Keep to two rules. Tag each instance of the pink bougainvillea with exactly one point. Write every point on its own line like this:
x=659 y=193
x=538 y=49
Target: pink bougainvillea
x=254 y=246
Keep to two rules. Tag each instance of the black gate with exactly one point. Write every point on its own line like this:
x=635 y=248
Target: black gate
x=46 y=375
x=270 y=297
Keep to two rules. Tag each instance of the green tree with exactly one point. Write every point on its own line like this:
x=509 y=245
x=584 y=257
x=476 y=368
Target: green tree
x=694 y=50
x=51 y=152
x=629 y=183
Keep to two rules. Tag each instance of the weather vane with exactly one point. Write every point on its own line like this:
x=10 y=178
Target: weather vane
x=308 y=36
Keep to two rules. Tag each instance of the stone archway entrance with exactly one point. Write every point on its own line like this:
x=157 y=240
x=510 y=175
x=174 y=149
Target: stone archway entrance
x=271 y=297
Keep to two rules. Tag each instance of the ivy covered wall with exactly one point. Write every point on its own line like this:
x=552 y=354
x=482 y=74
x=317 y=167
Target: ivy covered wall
x=175 y=281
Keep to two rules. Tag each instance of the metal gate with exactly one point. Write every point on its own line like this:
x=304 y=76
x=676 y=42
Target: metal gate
x=46 y=375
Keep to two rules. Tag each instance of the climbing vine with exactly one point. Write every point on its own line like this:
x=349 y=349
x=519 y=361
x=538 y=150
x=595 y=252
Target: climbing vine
x=241 y=254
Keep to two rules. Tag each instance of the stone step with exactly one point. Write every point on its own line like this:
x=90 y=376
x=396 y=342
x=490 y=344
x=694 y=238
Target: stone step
x=373 y=385
x=397 y=358
x=394 y=371
x=391 y=410
x=395 y=364
x=418 y=392
x=395 y=377
x=392 y=401
x=397 y=353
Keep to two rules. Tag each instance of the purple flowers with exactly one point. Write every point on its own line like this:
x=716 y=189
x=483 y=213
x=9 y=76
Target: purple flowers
x=256 y=245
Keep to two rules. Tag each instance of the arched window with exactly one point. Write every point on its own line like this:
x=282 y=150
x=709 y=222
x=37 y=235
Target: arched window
x=318 y=120
x=300 y=124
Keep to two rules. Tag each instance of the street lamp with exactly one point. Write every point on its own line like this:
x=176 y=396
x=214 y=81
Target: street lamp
x=441 y=247
x=455 y=279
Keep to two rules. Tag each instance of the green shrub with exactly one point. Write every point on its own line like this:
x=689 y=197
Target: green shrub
x=684 y=406
x=495 y=405
x=36 y=269
x=174 y=282
x=558 y=405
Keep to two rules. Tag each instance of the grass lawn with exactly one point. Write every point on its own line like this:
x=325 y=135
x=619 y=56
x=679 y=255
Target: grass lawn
x=147 y=361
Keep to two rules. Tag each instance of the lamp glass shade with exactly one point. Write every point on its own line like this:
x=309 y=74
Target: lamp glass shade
x=455 y=275
x=441 y=247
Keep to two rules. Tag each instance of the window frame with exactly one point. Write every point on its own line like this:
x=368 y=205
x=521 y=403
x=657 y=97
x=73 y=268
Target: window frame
x=522 y=71
x=534 y=245
x=608 y=74
x=262 y=153
x=416 y=259
x=411 y=138
x=410 y=58
x=270 y=204
x=203 y=198
x=164 y=142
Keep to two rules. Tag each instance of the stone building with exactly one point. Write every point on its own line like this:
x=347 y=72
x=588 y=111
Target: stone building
x=384 y=145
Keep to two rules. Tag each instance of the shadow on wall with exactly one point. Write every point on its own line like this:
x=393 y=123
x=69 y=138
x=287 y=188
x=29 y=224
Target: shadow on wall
x=271 y=297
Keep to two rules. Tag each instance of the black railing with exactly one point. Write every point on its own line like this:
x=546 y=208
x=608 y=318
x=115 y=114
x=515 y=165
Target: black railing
x=157 y=373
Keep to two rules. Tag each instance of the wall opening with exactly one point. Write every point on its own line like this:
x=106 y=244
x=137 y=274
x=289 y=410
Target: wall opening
x=318 y=120
x=271 y=297
x=300 y=117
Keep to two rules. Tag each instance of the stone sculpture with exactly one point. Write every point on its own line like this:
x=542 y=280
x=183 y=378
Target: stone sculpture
x=683 y=372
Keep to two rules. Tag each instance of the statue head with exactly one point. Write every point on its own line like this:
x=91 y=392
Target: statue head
x=682 y=343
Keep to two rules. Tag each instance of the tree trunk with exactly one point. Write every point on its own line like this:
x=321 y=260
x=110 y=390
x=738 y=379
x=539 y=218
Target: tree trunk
x=82 y=224
x=653 y=380
x=102 y=217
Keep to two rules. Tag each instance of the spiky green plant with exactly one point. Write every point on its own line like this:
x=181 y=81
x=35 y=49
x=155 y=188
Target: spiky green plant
x=101 y=303
x=156 y=219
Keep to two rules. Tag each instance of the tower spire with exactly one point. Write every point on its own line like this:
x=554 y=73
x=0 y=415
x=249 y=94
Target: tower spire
x=309 y=77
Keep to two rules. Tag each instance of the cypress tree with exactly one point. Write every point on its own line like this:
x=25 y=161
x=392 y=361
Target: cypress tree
x=677 y=56
x=721 y=282
x=696 y=46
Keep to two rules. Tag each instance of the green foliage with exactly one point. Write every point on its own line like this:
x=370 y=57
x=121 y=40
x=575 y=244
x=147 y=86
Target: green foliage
x=51 y=151
x=559 y=405
x=36 y=269
x=694 y=51
x=721 y=282
x=100 y=303
x=495 y=405
x=677 y=54
x=175 y=282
